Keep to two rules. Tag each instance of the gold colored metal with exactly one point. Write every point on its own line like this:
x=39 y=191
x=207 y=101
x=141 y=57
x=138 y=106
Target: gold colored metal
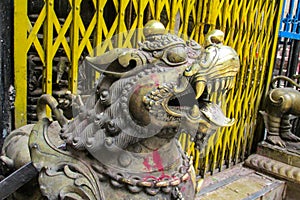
x=130 y=131
x=154 y=27
x=280 y=104
x=249 y=28
x=49 y=100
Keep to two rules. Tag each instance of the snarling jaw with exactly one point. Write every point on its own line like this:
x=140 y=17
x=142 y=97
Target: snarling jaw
x=166 y=84
x=186 y=102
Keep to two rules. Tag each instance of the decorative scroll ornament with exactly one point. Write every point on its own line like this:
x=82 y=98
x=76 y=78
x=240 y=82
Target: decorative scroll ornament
x=124 y=145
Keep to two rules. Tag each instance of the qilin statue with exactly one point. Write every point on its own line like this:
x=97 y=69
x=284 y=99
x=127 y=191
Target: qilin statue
x=281 y=103
x=124 y=144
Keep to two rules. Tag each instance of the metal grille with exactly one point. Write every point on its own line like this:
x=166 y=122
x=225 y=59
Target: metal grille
x=251 y=28
x=287 y=56
x=289 y=24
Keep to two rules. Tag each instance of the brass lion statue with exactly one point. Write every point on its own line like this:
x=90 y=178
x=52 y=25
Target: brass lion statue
x=124 y=145
x=280 y=104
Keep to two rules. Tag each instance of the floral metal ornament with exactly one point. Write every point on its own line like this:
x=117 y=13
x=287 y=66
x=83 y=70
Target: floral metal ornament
x=124 y=144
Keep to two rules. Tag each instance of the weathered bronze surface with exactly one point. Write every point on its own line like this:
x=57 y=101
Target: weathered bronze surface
x=281 y=103
x=123 y=145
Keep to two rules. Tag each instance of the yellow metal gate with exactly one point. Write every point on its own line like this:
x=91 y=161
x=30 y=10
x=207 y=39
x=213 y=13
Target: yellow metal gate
x=251 y=27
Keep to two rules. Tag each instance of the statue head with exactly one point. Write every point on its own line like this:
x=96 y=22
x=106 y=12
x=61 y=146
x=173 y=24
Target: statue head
x=165 y=85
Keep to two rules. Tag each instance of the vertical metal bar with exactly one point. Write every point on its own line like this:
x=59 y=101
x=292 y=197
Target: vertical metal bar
x=20 y=62
x=73 y=73
x=294 y=59
x=99 y=10
x=140 y=16
x=48 y=44
x=198 y=21
x=285 y=42
x=282 y=15
x=99 y=30
x=6 y=72
x=47 y=71
x=173 y=12
x=296 y=18
x=290 y=16
x=157 y=10
x=186 y=17
x=291 y=50
x=121 y=21
x=275 y=41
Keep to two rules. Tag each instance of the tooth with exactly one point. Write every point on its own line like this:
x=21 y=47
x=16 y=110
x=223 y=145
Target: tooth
x=217 y=85
x=156 y=98
x=227 y=83
x=209 y=88
x=151 y=103
x=223 y=82
x=231 y=83
x=200 y=86
x=195 y=111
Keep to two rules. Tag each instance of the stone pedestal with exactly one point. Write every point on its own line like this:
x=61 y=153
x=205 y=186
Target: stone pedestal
x=278 y=162
x=241 y=183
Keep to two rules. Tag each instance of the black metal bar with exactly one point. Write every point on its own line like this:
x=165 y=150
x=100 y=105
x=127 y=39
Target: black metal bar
x=282 y=61
x=291 y=52
x=6 y=69
x=294 y=58
x=17 y=179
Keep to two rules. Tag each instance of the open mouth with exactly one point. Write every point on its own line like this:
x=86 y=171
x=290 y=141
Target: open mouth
x=173 y=101
x=186 y=103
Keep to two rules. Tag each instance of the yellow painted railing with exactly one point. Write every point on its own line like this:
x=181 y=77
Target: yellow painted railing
x=250 y=26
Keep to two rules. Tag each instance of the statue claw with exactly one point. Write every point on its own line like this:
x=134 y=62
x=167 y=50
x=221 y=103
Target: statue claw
x=290 y=136
x=276 y=140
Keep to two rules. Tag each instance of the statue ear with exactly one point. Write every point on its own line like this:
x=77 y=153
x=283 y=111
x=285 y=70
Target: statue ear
x=117 y=62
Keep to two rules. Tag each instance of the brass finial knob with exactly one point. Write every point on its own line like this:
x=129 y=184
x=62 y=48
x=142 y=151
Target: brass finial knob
x=214 y=37
x=154 y=27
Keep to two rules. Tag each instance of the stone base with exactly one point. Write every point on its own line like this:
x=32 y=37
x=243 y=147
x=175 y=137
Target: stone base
x=240 y=183
x=286 y=155
x=280 y=163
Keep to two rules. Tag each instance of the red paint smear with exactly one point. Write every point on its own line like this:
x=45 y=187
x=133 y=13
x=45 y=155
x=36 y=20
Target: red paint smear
x=158 y=165
x=164 y=176
x=137 y=89
x=146 y=164
x=150 y=178
x=182 y=189
x=155 y=78
x=157 y=161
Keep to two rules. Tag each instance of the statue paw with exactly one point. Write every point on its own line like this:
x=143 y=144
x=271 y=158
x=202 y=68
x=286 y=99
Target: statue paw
x=276 y=140
x=290 y=136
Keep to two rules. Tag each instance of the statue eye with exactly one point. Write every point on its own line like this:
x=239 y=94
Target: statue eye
x=188 y=69
x=176 y=55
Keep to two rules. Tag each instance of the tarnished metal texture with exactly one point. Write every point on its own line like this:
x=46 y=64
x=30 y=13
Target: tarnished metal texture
x=281 y=104
x=124 y=145
x=249 y=28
